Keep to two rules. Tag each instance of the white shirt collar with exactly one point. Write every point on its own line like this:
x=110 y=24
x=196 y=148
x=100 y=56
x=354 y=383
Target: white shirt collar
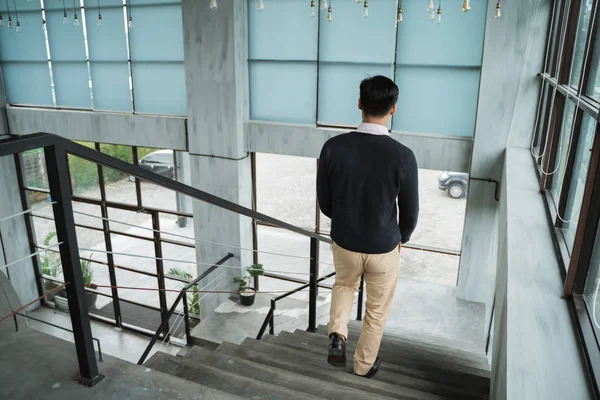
x=373 y=129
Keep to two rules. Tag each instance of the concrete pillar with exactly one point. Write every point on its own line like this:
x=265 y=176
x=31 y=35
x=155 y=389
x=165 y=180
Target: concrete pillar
x=514 y=50
x=216 y=70
x=184 y=203
x=3 y=120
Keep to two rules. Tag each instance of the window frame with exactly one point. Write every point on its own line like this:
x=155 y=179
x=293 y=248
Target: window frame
x=575 y=262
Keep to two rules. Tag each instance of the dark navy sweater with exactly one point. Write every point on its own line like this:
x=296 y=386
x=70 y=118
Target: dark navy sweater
x=363 y=180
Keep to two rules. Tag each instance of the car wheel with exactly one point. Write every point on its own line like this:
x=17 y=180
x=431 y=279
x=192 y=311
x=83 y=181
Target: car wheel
x=456 y=191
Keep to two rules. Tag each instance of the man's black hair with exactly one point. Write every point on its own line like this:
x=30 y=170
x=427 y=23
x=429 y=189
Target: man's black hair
x=378 y=95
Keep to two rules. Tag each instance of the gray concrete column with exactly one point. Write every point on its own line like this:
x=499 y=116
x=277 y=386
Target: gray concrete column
x=3 y=120
x=13 y=233
x=514 y=50
x=216 y=69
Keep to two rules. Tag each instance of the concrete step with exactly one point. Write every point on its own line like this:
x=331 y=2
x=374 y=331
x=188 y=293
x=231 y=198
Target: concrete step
x=35 y=365
x=430 y=370
x=405 y=345
x=281 y=377
x=423 y=338
x=216 y=378
x=317 y=367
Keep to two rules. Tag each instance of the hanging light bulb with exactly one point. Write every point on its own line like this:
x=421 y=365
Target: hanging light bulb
x=358 y=1
x=213 y=4
x=65 y=18
x=466 y=6
x=324 y=5
x=99 y=19
x=329 y=18
x=366 y=12
x=498 y=10
x=431 y=6
x=130 y=22
x=75 y=17
x=1 y=21
x=9 y=22
x=313 y=11
x=18 y=26
x=439 y=14
x=400 y=18
x=261 y=5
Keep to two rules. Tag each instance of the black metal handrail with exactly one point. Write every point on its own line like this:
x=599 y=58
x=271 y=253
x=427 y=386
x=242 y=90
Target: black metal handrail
x=60 y=327
x=56 y=150
x=182 y=296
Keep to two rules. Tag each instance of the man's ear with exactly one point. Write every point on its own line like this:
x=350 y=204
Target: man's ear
x=393 y=110
x=359 y=105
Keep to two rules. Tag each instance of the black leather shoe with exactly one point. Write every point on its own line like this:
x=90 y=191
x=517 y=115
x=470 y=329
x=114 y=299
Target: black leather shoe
x=337 y=351
x=373 y=370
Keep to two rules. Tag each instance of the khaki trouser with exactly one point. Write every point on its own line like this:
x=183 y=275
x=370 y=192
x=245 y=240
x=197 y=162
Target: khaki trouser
x=381 y=275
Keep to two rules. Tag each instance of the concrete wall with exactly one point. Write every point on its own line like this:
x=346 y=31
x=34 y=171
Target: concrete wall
x=216 y=69
x=443 y=153
x=513 y=54
x=14 y=233
x=162 y=132
x=536 y=350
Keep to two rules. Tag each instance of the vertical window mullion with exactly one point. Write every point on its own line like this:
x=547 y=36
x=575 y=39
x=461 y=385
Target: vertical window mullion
x=553 y=137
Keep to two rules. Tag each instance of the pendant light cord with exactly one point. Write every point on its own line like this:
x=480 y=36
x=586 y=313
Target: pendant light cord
x=8 y=9
x=16 y=11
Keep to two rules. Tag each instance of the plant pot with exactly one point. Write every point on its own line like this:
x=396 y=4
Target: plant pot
x=50 y=285
x=61 y=303
x=247 y=298
x=91 y=299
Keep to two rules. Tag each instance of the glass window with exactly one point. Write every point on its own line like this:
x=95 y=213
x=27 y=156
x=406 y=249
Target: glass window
x=593 y=85
x=592 y=285
x=580 y=172
x=553 y=40
x=119 y=186
x=580 y=42
x=286 y=188
x=562 y=152
x=84 y=175
x=542 y=118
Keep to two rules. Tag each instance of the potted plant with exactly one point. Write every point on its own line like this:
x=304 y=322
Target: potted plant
x=61 y=301
x=246 y=292
x=193 y=298
x=50 y=265
x=88 y=281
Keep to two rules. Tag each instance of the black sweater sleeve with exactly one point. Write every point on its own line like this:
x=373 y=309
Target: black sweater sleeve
x=408 y=199
x=323 y=187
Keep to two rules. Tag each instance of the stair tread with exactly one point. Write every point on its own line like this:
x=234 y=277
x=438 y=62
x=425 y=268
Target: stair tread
x=281 y=377
x=402 y=346
x=221 y=380
x=318 y=345
x=307 y=364
x=418 y=338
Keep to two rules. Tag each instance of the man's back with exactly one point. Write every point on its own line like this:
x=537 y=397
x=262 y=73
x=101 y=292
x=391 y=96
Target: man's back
x=360 y=178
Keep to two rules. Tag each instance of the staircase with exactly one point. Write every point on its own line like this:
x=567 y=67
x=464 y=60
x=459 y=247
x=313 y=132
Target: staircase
x=294 y=366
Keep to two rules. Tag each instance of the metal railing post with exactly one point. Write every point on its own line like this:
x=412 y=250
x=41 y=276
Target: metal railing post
x=313 y=285
x=160 y=271
x=186 y=321
x=361 y=292
x=272 y=319
x=60 y=190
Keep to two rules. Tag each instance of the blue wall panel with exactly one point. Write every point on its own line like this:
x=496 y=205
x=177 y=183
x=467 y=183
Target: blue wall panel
x=351 y=37
x=283 y=91
x=111 y=86
x=295 y=31
x=71 y=84
x=439 y=100
x=339 y=91
x=27 y=83
x=159 y=88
